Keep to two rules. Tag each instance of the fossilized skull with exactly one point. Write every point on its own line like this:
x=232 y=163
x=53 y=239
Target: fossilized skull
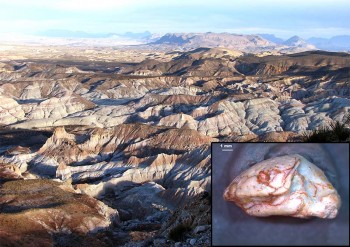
x=287 y=185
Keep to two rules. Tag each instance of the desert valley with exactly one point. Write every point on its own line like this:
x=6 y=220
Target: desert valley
x=106 y=145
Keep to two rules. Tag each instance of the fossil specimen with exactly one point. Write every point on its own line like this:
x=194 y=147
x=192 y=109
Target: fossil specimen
x=287 y=185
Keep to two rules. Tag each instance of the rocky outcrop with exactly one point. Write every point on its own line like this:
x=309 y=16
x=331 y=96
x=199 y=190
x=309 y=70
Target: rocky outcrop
x=189 y=224
x=59 y=106
x=41 y=209
x=263 y=116
x=9 y=172
x=10 y=111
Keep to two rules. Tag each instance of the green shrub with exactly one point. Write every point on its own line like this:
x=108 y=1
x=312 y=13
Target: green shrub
x=178 y=233
x=336 y=132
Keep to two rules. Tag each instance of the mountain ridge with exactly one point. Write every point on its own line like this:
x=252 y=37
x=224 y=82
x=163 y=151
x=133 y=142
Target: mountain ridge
x=253 y=43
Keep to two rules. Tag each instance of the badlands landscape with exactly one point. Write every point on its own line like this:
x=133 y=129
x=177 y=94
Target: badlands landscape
x=110 y=145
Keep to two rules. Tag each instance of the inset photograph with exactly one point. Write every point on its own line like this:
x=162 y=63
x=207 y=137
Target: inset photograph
x=280 y=194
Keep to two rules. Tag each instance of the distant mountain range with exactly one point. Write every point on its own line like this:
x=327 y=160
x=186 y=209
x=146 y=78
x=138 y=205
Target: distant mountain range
x=188 y=41
x=257 y=44
x=336 y=43
x=234 y=41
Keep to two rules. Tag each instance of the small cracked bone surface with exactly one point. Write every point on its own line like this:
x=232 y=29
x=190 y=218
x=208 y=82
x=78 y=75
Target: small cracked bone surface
x=288 y=185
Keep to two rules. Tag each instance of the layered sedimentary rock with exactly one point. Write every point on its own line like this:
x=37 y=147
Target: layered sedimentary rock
x=10 y=111
x=116 y=165
x=230 y=96
x=9 y=172
x=136 y=133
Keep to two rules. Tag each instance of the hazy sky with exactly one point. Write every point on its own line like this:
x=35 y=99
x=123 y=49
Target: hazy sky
x=307 y=18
